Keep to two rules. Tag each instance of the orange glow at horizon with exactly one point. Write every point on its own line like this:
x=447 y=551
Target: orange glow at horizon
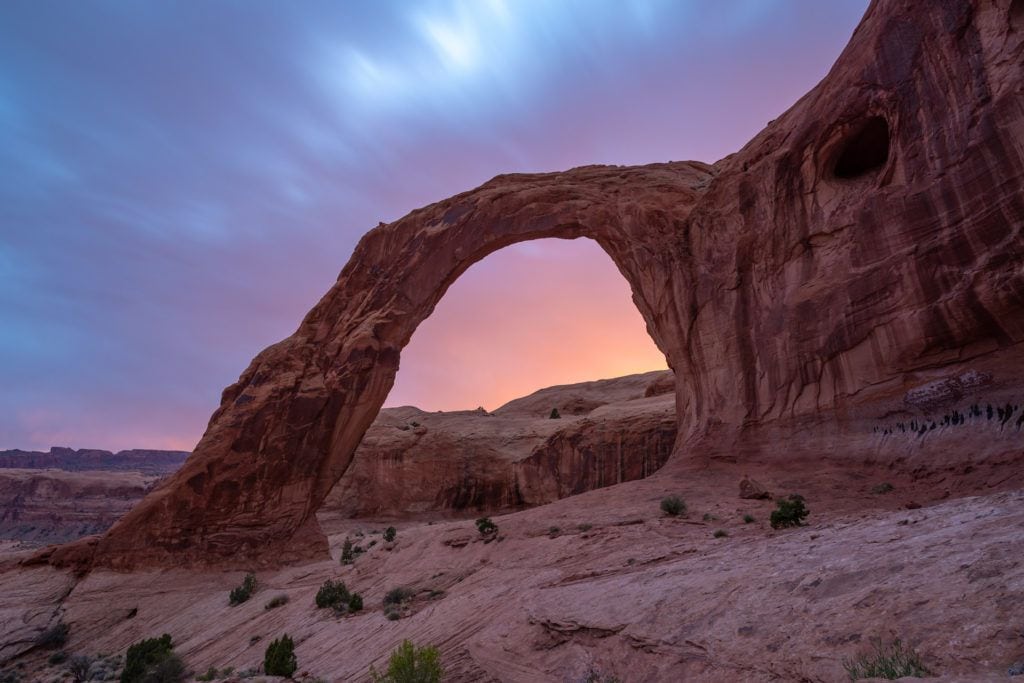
x=529 y=316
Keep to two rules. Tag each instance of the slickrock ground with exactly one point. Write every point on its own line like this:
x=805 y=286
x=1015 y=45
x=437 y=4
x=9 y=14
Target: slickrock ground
x=620 y=588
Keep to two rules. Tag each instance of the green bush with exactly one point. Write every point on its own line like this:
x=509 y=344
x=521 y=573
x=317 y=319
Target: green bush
x=390 y=533
x=720 y=533
x=411 y=664
x=555 y=415
x=789 y=512
x=279 y=659
x=55 y=636
x=276 y=601
x=748 y=519
x=355 y=602
x=673 y=506
x=210 y=675
x=886 y=661
x=880 y=489
x=486 y=527
x=242 y=593
x=347 y=555
x=397 y=596
x=57 y=657
x=332 y=594
x=143 y=658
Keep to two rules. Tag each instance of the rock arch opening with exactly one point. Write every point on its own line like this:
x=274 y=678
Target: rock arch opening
x=865 y=151
x=538 y=328
x=286 y=432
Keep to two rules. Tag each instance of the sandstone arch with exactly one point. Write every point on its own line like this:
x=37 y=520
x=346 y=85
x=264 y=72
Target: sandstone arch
x=780 y=295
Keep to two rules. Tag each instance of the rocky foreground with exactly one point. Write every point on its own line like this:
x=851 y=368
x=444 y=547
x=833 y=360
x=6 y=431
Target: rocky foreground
x=605 y=582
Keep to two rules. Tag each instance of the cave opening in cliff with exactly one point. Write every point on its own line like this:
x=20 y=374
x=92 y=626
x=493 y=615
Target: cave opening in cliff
x=865 y=151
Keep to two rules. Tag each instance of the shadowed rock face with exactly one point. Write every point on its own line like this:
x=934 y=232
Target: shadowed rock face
x=865 y=238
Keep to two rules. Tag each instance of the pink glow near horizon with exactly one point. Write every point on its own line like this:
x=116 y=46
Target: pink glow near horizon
x=532 y=315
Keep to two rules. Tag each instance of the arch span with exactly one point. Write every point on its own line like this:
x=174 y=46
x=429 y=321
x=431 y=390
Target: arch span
x=286 y=431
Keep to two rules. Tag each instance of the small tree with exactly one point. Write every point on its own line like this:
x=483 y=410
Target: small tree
x=355 y=602
x=348 y=556
x=411 y=664
x=673 y=506
x=390 y=533
x=78 y=667
x=555 y=415
x=242 y=593
x=789 y=512
x=486 y=527
x=279 y=659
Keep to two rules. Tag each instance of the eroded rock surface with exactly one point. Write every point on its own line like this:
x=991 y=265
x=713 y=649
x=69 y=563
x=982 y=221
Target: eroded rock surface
x=867 y=242
x=412 y=461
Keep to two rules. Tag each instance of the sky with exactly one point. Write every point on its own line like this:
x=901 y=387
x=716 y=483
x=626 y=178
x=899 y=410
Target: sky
x=181 y=182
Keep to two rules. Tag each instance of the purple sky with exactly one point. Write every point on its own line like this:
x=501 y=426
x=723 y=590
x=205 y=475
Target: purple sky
x=181 y=182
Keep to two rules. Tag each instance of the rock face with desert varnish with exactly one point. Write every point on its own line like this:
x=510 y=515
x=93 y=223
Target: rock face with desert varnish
x=866 y=237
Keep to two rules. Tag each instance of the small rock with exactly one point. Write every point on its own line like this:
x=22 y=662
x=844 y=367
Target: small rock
x=752 y=490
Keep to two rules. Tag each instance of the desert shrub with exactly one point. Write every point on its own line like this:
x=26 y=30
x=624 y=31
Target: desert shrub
x=80 y=667
x=486 y=527
x=355 y=602
x=886 y=661
x=673 y=506
x=144 y=657
x=879 y=489
x=332 y=594
x=390 y=533
x=279 y=659
x=55 y=636
x=57 y=657
x=789 y=512
x=553 y=530
x=585 y=527
x=347 y=555
x=555 y=415
x=276 y=601
x=397 y=596
x=240 y=594
x=708 y=517
x=411 y=664
x=392 y=614
x=720 y=533
x=210 y=675
x=595 y=676
x=8 y=676
x=170 y=670
x=748 y=519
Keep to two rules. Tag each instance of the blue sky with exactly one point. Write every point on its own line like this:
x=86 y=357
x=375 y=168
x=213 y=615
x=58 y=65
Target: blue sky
x=180 y=182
